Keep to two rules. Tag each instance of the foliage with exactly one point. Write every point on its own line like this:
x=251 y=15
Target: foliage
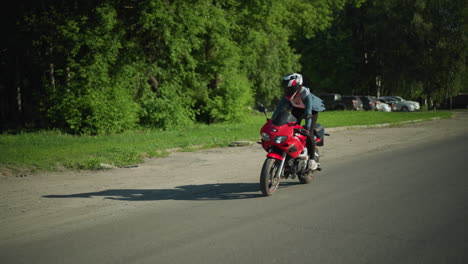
x=103 y=67
x=87 y=91
x=411 y=48
x=108 y=66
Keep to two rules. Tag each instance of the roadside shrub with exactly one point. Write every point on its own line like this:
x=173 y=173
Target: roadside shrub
x=170 y=109
x=233 y=99
x=92 y=94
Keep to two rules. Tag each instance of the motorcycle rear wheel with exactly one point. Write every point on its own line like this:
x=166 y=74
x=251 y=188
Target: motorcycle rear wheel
x=268 y=181
x=305 y=179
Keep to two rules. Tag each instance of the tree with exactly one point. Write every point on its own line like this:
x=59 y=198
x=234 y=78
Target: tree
x=105 y=66
x=84 y=90
x=412 y=48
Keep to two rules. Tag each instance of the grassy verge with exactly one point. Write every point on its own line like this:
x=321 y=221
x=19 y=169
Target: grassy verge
x=53 y=150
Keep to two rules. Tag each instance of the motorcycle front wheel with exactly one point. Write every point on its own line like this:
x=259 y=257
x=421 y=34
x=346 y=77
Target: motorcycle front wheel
x=269 y=181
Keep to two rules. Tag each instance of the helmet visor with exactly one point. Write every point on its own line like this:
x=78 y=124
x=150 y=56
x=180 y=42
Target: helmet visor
x=290 y=92
x=290 y=87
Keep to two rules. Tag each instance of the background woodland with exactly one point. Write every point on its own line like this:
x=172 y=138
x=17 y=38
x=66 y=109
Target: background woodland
x=103 y=67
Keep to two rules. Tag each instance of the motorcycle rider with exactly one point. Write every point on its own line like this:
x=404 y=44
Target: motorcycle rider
x=303 y=105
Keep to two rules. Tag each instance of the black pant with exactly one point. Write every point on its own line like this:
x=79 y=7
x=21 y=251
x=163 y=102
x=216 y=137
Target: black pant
x=299 y=113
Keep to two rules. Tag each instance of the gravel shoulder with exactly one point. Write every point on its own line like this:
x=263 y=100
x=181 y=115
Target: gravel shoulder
x=39 y=205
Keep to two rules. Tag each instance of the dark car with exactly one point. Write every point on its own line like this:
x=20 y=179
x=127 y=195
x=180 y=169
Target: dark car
x=352 y=102
x=368 y=103
x=332 y=101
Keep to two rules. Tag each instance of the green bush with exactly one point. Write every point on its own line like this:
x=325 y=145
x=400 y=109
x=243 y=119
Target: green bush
x=233 y=99
x=169 y=110
x=95 y=96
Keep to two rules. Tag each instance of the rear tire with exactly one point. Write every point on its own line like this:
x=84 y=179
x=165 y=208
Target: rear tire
x=268 y=181
x=306 y=179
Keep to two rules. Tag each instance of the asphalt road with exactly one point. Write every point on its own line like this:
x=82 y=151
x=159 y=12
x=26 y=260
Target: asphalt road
x=405 y=206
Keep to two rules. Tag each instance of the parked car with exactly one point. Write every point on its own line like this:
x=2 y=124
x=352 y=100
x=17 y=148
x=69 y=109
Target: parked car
x=403 y=105
x=378 y=106
x=332 y=101
x=391 y=102
x=459 y=102
x=352 y=102
x=417 y=107
x=368 y=102
x=384 y=107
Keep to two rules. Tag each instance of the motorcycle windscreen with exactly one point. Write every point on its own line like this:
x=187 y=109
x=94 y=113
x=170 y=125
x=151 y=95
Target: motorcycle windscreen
x=284 y=117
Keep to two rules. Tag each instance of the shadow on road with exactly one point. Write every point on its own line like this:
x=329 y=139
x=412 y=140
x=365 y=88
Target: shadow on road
x=221 y=191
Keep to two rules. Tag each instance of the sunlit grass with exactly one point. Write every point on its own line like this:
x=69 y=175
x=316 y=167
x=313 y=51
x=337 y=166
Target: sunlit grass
x=52 y=150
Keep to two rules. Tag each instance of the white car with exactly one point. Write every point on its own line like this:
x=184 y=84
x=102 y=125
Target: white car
x=401 y=104
x=384 y=107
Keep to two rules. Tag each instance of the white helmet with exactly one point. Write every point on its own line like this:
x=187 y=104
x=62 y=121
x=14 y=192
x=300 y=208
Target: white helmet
x=291 y=83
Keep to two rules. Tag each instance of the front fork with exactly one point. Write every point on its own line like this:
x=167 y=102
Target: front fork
x=280 y=170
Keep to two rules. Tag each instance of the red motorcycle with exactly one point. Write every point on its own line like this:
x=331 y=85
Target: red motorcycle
x=285 y=141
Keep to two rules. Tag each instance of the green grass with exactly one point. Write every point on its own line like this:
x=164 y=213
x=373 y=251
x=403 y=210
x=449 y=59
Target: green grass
x=350 y=118
x=53 y=150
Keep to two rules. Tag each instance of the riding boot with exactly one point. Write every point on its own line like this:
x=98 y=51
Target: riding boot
x=312 y=164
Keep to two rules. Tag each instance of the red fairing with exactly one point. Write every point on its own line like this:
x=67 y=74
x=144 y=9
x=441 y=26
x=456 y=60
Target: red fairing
x=292 y=145
x=275 y=155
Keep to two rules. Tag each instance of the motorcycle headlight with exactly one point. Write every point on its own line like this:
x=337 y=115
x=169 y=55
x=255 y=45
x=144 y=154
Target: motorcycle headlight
x=280 y=139
x=265 y=136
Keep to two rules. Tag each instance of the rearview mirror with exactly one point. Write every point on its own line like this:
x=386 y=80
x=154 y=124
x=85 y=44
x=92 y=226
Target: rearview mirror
x=261 y=109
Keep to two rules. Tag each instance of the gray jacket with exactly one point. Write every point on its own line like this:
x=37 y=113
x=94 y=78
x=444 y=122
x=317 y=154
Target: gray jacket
x=307 y=101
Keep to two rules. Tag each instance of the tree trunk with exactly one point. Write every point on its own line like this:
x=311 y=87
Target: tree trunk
x=18 y=87
x=52 y=73
x=155 y=83
x=52 y=76
x=67 y=81
x=214 y=83
x=378 y=83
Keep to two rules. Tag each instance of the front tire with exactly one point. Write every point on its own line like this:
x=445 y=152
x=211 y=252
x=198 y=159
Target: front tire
x=268 y=181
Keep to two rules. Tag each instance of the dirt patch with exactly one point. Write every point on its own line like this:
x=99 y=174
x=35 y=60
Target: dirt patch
x=34 y=205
